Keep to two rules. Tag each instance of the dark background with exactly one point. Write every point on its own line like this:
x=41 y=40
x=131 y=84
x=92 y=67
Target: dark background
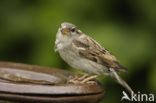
x=127 y=28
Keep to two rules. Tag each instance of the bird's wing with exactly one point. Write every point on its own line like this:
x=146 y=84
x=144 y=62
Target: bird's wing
x=92 y=50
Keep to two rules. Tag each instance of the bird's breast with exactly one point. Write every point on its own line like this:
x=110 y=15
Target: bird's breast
x=72 y=57
x=68 y=54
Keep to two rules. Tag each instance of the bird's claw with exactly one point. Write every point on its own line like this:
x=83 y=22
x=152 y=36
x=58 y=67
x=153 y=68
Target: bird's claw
x=85 y=79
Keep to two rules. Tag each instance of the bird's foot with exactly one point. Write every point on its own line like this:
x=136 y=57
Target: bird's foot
x=83 y=79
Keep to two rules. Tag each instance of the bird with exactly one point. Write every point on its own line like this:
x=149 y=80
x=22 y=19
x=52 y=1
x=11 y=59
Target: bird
x=83 y=53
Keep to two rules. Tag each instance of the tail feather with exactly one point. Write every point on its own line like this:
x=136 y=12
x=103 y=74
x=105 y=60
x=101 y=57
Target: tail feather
x=115 y=76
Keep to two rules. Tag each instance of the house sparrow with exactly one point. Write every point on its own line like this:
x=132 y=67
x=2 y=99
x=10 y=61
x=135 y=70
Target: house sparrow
x=85 y=54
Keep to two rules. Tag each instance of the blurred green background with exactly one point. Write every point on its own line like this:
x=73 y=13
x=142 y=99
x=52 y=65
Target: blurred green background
x=127 y=28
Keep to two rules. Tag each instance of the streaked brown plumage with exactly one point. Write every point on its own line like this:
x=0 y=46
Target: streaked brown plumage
x=85 y=54
x=95 y=52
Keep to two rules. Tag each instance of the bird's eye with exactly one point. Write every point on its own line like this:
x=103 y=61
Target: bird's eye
x=73 y=30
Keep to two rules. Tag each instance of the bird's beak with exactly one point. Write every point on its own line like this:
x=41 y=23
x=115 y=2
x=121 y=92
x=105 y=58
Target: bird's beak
x=65 y=31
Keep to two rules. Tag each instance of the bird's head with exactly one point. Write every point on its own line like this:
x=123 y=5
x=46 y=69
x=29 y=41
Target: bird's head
x=70 y=30
x=66 y=33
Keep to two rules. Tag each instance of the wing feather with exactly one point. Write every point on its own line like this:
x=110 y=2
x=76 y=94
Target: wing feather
x=95 y=52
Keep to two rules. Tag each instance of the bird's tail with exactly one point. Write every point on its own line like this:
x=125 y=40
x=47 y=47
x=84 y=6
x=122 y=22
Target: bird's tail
x=115 y=76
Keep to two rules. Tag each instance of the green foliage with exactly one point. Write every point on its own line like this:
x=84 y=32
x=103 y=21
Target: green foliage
x=126 y=28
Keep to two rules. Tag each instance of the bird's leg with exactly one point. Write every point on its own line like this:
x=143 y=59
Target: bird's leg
x=89 y=79
x=74 y=80
x=83 y=79
x=77 y=79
